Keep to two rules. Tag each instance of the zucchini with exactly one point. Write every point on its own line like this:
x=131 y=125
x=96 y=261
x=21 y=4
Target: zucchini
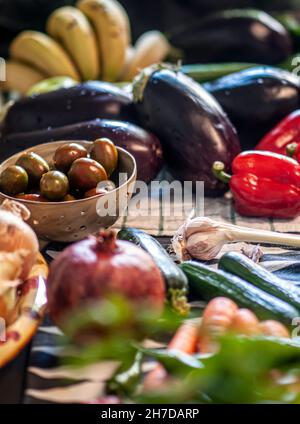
x=238 y=264
x=210 y=283
x=211 y=71
x=175 y=280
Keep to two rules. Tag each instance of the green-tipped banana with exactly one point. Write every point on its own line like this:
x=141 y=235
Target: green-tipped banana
x=51 y=84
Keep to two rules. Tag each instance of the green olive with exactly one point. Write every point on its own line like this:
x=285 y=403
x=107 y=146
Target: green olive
x=105 y=152
x=13 y=180
x=54 y=185
x=85 y=174
x=66 y=154
x=34 y=165
x=68 y=198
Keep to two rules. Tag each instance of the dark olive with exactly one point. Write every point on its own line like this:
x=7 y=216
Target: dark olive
x=85 y=174
x=68 y=198
x=36 y=197
x=13 y=180
x=105 y=152
x=95 y=192
x=34 y=165
x=54 y=185
x=65 y=155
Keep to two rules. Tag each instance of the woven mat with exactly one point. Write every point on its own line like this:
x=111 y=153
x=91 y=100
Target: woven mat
x=164 y=219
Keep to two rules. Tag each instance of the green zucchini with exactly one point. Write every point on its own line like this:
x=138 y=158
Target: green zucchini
x=238 y=264
x=210 y=283
x=175 y=279
x=211 y=71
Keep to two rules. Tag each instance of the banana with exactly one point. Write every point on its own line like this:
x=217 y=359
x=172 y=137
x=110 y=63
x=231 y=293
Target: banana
x=71 y=28
x=152 y=47
x=20 y=77
x=43 y=53
x=111 y=25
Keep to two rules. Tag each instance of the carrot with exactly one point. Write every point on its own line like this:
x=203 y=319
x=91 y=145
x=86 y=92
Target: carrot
x=245 y=322
x=185 y=340
x=273 y=328
x=216 y=320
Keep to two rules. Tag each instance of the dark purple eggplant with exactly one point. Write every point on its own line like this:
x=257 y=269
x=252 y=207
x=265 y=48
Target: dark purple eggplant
x=234 y=36
x=65 y=106
x=256 y=100
x=143 y=145
x=191 y=125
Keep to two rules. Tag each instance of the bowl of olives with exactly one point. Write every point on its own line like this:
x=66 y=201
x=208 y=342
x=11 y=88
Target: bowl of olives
x=69 y=185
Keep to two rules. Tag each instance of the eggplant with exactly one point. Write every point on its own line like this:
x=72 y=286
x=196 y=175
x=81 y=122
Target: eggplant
x=234 y=36
x=191 y=125
x=143 y=145
x=256 y=100
x=65 y=106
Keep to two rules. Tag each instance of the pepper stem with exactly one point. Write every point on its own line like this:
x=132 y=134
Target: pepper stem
x=291 y=149
x=218 y=169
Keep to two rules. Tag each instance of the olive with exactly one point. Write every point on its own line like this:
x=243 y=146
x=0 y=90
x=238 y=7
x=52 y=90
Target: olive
x=13 y=180
x=54 y=185
x=36 y=197
x=105 y=152
x=34 y=165
x=68 y=198
x=86 y=173
x=66 y=154
x=95 y=192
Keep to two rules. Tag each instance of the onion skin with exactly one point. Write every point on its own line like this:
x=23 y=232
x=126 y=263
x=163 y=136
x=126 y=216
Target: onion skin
x=99 y=266
x=15 y=235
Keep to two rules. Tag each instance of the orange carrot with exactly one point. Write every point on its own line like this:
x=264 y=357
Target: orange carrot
x=245 y=322
x=273 y=328
x=185 y=340
x=216 y=320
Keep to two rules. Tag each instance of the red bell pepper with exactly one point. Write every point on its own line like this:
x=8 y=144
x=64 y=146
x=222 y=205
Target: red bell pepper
x=263 y=184
x=286 y=132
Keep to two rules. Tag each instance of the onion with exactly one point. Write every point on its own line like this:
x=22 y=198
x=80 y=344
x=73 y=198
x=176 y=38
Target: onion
x=15 y=234
x=99 y=266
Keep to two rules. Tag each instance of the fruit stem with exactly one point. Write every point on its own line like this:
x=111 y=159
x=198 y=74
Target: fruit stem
x=219 y=172
x=106 y=241
x=291 y=149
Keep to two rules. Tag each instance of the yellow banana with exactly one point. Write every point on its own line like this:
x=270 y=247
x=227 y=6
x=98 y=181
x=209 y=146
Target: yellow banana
x=42 y=52
x=111 y=24
x=152 y=47
x=20 y=77
x=71 y=28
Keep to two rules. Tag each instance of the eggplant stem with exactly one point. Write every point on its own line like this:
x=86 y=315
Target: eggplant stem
x=219 y=172
x=291 y=149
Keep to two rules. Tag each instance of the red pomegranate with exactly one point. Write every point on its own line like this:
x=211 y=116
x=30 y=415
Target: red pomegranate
x=99 y=266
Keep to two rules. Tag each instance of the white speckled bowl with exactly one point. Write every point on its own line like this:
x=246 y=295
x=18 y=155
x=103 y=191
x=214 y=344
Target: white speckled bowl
x=74 y=220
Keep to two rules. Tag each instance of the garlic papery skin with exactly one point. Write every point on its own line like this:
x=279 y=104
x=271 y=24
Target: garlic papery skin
x=203 y=238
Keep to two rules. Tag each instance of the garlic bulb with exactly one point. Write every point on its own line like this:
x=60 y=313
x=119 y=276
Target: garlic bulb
x=203 y=238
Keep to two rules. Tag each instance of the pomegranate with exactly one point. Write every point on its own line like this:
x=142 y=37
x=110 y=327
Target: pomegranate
x=99 y=266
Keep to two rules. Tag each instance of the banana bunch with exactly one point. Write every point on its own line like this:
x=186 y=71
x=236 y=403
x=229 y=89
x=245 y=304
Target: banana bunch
x=87 y=42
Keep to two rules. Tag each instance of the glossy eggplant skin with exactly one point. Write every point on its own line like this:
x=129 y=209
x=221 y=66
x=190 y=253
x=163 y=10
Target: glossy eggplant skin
x=143 y=145
x=65 y=106
x=191 y=125
x=256 y=100
x=234 y=36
